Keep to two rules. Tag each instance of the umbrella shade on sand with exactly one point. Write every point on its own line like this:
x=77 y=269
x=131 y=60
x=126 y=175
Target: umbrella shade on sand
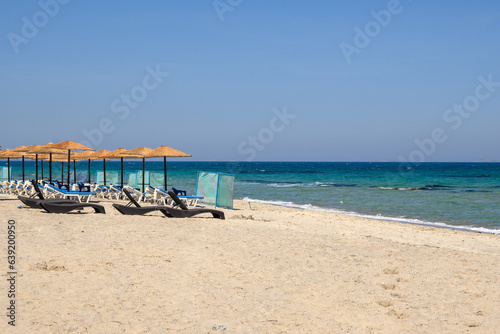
x=164 y=152
x=48 y=149
x=141 y=152
x=120 y=154
x=70 y=145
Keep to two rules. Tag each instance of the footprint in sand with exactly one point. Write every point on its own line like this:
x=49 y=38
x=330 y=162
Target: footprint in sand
x=388 y=286
x=391 y=271
x=398 y=314
x=48 y=266
x=384 y=303
x=473 y=324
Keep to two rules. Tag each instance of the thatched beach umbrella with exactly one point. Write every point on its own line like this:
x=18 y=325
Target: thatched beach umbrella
x=141 y=153
x=121 y=153
x=164 y=152
x=26 y=151
x=86 y=155
x=37 y=157
x=48 y=149
x=56 y=158
x=71 y=146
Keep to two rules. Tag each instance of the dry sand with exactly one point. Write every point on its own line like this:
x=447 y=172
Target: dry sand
x=267 y=270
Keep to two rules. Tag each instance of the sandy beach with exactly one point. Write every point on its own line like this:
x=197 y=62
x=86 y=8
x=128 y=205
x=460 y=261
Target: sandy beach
x=265 y=269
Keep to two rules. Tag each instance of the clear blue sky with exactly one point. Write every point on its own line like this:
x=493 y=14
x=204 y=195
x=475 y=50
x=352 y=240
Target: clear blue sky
x=234 y=66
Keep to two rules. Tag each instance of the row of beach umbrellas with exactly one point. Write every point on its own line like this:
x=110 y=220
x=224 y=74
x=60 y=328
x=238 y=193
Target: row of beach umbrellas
x=57 y=153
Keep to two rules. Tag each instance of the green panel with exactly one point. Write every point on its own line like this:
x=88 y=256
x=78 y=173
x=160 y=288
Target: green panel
x=225 y=192
x=4 y=173
x=207 y=187
x=139 y=179
x=111 y=178
x=216 y=188
x=81 y=176
x=131 y=179
x=157 y=180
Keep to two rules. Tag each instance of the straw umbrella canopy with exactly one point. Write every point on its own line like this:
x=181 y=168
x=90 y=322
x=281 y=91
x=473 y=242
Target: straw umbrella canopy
x=19 y=149
x=25 y=150
x=121 y=153
x=58 y=158
x=48 y=149
x=141 y=152
x=71 y=146
x=164 y=152
x=86 y=155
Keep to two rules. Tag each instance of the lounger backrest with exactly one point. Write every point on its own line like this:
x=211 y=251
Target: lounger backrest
x=179 y=192
x=177 y=200
x=37 y=189
x=131 y=198
x=82 y=187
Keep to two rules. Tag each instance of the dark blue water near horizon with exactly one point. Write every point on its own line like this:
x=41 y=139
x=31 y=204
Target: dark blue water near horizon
x=442 y=194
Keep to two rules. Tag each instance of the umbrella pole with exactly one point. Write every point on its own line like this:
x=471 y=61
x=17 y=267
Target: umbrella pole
x=8 y=169
x=121 y=164
x=165 y=171
x=69 y=165
x=36 y=168
x=143 y=172
x=50 y=167
x=62 y=171
x=23 y=168
x=104 y=164
x=41 y=164
x=74 y=171
x=89 y=171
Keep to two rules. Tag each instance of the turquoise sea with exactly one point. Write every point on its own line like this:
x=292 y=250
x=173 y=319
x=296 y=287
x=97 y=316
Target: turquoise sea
x=459 y=195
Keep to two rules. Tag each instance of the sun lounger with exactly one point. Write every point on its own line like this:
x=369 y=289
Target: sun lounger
x=137 y=209
x=34 y=200
x=185 y=212
x=164 y=197
x=79 y=195
x=54 y=207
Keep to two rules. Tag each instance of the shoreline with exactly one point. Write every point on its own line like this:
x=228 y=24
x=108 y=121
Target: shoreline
x=269 y=269
x=412 y=221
